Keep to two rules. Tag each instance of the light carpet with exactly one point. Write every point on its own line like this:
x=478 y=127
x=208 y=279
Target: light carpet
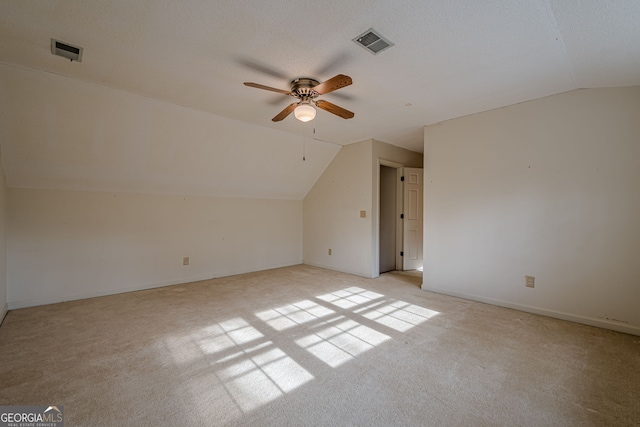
x=305 y=346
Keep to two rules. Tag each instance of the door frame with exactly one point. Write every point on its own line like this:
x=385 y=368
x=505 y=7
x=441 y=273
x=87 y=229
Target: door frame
x=376 y=223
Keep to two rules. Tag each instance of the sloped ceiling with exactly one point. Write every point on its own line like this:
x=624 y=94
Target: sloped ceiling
x=60 y=133
x=148 y=61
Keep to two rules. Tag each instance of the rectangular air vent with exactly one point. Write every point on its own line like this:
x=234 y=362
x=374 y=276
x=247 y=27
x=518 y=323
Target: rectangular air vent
x=66 y=50
x=373 y=41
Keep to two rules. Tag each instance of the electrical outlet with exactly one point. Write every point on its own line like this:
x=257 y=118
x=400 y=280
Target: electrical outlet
x=185 y=260
x=363 y=214
x=329 y=251
x=530 y=281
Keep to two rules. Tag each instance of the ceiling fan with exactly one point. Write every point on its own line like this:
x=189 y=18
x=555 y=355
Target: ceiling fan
x=307 y=90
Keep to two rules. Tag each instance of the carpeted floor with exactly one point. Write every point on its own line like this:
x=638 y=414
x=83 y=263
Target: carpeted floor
x=306 y=346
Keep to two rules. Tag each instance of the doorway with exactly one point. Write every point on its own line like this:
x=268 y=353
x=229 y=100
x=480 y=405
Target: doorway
x=388 y=218
x=400 y=219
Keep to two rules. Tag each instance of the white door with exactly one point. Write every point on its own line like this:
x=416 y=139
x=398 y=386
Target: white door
x=412 y=223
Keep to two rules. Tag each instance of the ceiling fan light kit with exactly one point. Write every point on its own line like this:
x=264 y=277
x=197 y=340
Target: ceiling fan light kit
x=304 y=111
x=307 y=90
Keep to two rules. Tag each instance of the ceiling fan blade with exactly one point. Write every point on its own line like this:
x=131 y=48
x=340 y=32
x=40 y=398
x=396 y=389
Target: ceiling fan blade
x=272 y=89
x=262 y=68
x=333 y=83
x=284 y=113
x=332 y=108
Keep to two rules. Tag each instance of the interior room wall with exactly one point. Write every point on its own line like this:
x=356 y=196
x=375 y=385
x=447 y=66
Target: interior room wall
x=333 y=208
x=66 y=245
x=332 y=213
x=3 y=244
x=546 y=188
x=110 y=190
x=385 y=151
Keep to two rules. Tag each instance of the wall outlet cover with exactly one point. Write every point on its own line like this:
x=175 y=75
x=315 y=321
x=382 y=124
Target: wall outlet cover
x=530 y=281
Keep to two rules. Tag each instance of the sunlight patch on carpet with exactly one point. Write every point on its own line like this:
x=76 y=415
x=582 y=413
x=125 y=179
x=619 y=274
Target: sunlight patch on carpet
x=395 y=314
x=337 y=344
x=350 y=297
x=400 y=315
x=261 y=375
x=292 y=315
x=240 y=331
x=335 y=328
x=251 y=370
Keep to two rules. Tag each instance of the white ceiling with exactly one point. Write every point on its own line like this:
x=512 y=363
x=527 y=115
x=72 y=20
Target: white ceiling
x=450 y=59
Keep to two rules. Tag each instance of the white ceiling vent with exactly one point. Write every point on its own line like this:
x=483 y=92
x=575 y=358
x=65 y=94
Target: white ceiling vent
x=74 y=53
x=373 y=41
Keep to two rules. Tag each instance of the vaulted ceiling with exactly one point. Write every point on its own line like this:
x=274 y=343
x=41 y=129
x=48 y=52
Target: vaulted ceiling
x=450 y=59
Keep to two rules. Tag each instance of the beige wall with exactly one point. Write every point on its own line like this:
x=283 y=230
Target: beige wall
x=67 y=245
x=548 y=188
x=332 y=208
x=96 y=180
x=65 y=134
x=332 y=213
x=3 y=244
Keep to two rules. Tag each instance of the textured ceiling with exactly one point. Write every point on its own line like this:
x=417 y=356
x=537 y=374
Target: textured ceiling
x=450 y=59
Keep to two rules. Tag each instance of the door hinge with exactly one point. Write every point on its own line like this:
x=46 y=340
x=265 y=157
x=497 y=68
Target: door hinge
x=401 y=253
x=401 y=216
x=402 y=178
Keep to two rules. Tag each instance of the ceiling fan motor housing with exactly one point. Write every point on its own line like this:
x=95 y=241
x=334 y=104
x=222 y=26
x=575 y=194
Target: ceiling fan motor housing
x=303 y=88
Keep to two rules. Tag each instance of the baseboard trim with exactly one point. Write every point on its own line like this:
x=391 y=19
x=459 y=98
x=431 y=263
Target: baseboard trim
x=590 y=321
x=3 y=313
x=341 y=270
x=14 y=305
